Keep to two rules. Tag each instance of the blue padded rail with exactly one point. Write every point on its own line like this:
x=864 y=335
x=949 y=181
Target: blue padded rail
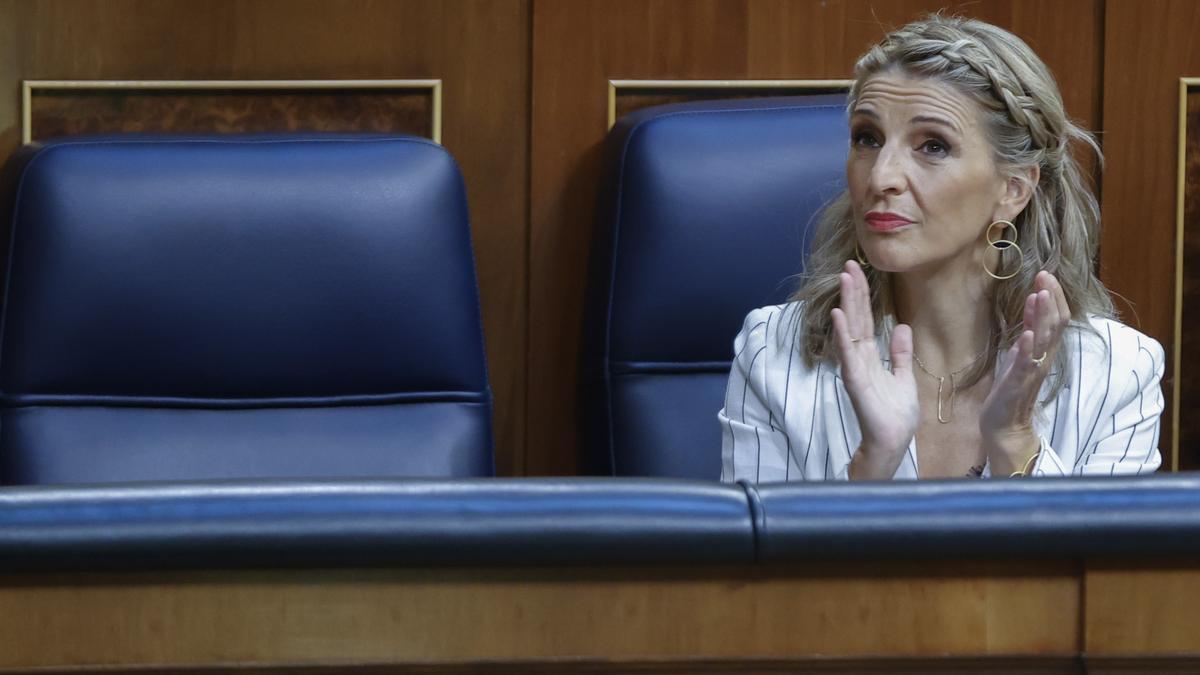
x=978 y=518
x=368 y=523
x=587 y=521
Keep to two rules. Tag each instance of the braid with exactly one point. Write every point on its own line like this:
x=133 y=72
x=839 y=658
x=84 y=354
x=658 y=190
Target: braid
x=1020 y=105
x=960 y=52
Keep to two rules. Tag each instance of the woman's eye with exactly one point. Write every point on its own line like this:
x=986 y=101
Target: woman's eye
x=935 y=147
x=865 y=139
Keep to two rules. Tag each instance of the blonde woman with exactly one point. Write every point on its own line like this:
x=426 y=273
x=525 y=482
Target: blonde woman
x=950 y=323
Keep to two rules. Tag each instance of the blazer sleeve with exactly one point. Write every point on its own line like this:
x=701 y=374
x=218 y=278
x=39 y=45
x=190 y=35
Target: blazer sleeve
x=754 y=446
x=1124 y=436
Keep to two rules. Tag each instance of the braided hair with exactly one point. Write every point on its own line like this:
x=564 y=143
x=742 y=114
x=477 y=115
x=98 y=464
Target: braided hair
x=1027 y=125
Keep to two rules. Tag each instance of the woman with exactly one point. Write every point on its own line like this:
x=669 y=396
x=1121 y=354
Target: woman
x=968 y=230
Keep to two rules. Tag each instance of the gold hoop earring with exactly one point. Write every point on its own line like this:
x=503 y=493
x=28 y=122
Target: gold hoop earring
x=1007 y=244
x=858 y=255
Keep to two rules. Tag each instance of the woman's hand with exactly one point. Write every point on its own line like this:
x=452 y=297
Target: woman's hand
x=1006 y=422
x=885 y=402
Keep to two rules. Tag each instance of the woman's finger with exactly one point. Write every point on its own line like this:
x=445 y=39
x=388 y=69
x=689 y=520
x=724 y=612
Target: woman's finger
x=901 y=350
x=850 y=307
x=1027 y=378
x=1007 y=362
x=864 y=322
x=841 y=335
x=1060 y=300
x=857 y=320
x=1049 y=282
x=847 y=352
x=847 y=298
x=1029 y=314
x=1046 y=323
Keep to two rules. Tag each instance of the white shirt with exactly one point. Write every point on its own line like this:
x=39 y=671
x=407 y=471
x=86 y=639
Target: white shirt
x=784 y=421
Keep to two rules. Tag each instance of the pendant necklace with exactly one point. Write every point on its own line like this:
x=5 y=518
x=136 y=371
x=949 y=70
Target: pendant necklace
x=941 y=380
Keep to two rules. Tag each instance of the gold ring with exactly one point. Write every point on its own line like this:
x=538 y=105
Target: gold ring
x=1037 y=363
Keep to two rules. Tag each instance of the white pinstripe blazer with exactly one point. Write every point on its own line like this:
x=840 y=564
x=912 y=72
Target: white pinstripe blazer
x=784 y=421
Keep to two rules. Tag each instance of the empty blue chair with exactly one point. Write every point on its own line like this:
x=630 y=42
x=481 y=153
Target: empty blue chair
x=705 y=215
x=241 y=307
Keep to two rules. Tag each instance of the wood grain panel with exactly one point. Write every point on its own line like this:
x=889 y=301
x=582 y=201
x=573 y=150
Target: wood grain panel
x=578 y=46
x=479 y=48
x=1163 y=665
x=11 y=45
x=1046 y=665
x=1139 y=610
x=630 y=99
x=149 y=110
x=1187 y=430
x=457 y=616
x=1148 y=47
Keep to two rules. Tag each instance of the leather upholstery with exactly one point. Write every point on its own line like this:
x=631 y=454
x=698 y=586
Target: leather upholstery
x=978 y=518
x=363 y=523
x=596 y=521
x=224 y=307
x=705 y=215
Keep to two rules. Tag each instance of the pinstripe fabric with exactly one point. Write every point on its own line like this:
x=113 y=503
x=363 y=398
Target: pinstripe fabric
x=785 y=421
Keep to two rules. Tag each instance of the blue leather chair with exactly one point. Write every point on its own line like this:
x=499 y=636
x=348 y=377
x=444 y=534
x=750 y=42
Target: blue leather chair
x=241 y=307
x=705 y=215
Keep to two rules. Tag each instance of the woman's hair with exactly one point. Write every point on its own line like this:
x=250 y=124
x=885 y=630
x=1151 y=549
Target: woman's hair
x=1026 y=123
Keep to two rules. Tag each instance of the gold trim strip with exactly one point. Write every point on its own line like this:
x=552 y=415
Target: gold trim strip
x=1180 y=189
x=29 y=86
x=233 y=84
x=26 y=112
x=614 y=87
x=436 y=122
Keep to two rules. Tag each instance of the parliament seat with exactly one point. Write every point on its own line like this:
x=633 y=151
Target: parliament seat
x=706 y=213
x=221 y=307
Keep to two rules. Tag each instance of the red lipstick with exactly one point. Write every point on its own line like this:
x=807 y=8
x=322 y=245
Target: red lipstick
x=881 y=221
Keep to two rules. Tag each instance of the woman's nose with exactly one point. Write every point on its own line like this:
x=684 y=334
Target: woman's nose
x=887 y=174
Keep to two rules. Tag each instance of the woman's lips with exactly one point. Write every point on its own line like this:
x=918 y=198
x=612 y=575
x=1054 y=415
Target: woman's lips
x=886 y=222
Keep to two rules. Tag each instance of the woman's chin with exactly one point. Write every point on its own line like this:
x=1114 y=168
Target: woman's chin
x=889 y=263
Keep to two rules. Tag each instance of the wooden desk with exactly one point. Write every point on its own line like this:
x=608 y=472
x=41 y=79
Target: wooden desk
x=1049 y=616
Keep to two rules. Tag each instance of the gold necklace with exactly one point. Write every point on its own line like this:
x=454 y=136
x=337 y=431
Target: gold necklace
x=942 y=382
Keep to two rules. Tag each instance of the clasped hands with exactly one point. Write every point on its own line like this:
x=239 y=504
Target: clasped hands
x=886 y=401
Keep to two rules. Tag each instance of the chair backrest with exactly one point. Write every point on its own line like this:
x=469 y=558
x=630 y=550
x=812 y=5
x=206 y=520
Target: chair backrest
x=220 y=307
x=705 y=215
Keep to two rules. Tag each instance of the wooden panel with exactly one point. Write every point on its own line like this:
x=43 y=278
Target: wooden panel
x=1148 y=47
x=1166 y=665
x=64 y=112
x=632 y=95
x=1187 y=389
x=1142 y=610
x=11 y=44
x=479 y=48
x=1047 y=665
x=578 y=46
x=457 y=616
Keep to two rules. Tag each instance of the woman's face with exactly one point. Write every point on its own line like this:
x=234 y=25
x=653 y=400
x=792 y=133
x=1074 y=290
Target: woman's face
x=922 y=179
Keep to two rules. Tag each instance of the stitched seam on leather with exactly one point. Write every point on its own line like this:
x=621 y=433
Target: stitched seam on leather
x=758 y=527
x=91 y=401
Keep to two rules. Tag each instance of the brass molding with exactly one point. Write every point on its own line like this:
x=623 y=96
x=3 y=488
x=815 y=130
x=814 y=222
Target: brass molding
x=615 y=86
x=29 y=87
x=1185 y=84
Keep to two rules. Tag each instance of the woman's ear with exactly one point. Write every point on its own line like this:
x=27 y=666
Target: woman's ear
x=1018 y=190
